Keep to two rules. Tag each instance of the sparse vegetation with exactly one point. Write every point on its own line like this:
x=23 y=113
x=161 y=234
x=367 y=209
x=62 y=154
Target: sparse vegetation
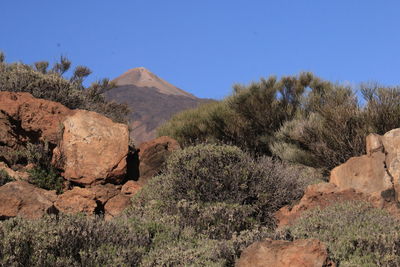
x=356 y=233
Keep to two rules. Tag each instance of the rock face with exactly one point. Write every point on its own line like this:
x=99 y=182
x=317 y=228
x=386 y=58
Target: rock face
x=33 y=118
x=376 y=172
x=153 y=154
x=116 y=205
x=93 y=148
x=130 y=188
x=16 y=175
x=77 y=200
x=299 y=253
x=24 y=118
x=25 y=200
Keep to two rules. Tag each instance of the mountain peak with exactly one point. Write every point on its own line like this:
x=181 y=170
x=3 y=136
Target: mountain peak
x=142 y=77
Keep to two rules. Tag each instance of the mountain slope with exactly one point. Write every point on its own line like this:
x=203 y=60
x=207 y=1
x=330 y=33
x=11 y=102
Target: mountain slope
x=152 y=100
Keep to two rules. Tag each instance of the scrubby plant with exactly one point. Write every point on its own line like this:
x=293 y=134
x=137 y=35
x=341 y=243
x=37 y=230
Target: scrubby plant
x=356 y=233
x=301 y=119
x=43 y=174
x=204 y=181
x=71 y=241
x=52 y=84
x=247 y=119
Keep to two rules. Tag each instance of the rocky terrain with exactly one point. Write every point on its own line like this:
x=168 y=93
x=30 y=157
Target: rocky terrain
x=254 y=180
x=152 y=100
x=99 y=170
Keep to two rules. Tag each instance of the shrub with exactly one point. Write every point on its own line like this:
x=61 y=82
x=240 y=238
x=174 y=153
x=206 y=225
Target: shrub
x=356 y=233
x=51 y=84
x=49 y=179
x=71 y=241
x=247 y=119
x=204 y=181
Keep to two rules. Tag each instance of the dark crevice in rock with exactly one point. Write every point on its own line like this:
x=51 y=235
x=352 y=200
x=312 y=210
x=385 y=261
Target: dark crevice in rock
x=389 y=194
x=99 y=210
x=132 y=165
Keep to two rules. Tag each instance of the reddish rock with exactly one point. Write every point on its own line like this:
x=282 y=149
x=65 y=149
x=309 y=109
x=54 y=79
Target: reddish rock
x=36 y=118
x=25 y=200
x=103 y=193
x=366 y=174
x=77 y=200
x=323 y=195
x=93 y=149
x=130 y=188
x=153 y=154
x=116 y=205
x=16 y=175
x=280 y=253
x=316 y=196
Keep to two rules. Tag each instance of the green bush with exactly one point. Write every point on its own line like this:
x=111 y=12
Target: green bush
x=356 y=233
x=247 y=119
x=301 y=119
x=51 y=84
x=71 y=241
x=49 y=179
x=204 y=181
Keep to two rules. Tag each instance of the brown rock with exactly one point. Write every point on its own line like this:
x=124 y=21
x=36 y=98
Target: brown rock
x=103 y=193
x=116 y=205
x=299 y=253
x=94 y=149
x=374 y=143
x=25 y=200
x=16 y=175
x=366 y=174
x=130 y=188
x=37 y=118
x=153 y=154
x=319 y=195
x=77 y=200
x=391 y=144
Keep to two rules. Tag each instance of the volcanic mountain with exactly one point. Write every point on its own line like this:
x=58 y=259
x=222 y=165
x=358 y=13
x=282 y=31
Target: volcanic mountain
x=152 y=100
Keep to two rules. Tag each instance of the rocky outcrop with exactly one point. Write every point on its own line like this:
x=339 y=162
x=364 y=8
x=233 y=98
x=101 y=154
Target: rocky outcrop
x=377 y=172
x=152 y=156
x=25 y=200
x=130 y=188
x=116 y=205
x=31 y=119
x=93 y=149
x=77 y=200
x=16 y=175
x=374 y=178
x=299 y=253
x=323 y=195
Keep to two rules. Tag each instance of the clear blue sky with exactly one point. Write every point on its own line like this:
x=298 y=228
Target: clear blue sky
x=206 y=46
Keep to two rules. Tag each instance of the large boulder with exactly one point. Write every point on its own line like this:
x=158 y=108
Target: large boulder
x=323 y=195
x=31 y=119
x=299 y=253
x=116 y=205
x=153 y=154
x=93 y=149
x=25 y=200
x=77 y=200
x=378 y=172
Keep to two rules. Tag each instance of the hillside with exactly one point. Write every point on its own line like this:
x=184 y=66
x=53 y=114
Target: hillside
x=152 y=100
